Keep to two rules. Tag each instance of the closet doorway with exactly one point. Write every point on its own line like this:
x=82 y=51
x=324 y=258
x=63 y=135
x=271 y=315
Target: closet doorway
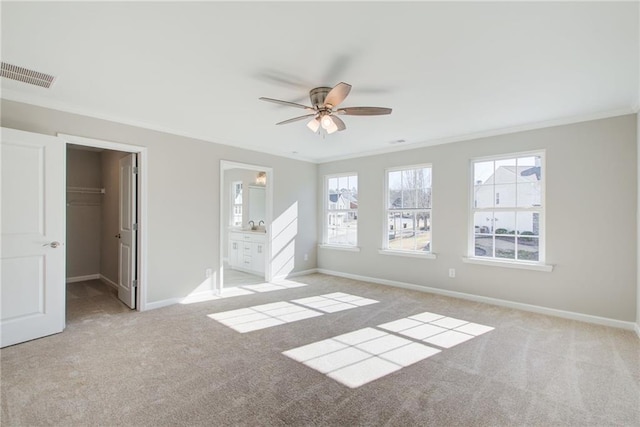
x=104 y=249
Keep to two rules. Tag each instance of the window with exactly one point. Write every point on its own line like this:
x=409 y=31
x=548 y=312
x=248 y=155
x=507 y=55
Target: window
x=508 y=208
x=341 y=204
x=408 y=208
x=236 y=203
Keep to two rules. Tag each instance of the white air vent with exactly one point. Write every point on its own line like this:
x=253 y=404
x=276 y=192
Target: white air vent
x=26 y=75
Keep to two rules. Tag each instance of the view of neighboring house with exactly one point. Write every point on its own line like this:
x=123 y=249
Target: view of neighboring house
x=342 y=213
x=509 y=187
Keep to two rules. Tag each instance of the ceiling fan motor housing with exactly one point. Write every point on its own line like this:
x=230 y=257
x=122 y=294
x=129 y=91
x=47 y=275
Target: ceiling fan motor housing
x=318 y=95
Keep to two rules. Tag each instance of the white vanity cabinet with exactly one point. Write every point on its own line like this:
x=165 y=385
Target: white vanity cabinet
x=247 y=251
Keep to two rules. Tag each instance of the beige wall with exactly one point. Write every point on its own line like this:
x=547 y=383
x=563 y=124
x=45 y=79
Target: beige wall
x=183 y=194
x=590 y=219
x=83 y=214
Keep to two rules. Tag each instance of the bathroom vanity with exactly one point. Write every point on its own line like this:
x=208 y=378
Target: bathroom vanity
x=247 y=251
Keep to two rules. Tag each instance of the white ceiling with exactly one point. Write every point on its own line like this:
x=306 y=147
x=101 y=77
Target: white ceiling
x=449 y=70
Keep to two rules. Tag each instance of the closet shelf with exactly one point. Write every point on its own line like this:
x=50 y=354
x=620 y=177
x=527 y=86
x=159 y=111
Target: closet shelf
x=85 y=190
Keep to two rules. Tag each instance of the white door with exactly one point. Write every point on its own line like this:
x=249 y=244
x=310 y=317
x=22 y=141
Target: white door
x=127 y=233
x=32 y=287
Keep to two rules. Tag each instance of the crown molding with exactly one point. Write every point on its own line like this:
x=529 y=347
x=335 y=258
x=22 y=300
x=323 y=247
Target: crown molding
x=31 y=99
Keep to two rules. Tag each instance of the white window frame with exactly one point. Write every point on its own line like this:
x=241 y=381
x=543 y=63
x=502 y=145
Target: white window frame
x=326 y=211
x=234 y=205
x=472 y=258
x=385 y=226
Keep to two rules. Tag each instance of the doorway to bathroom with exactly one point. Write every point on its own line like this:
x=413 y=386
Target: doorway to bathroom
x=246 y=212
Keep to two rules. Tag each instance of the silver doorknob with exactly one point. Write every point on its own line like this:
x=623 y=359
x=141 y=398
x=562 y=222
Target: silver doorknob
x=52 y=244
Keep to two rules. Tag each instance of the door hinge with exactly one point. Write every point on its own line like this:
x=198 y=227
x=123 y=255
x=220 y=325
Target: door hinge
x=135 y=284
x=135 y=170
x=135 y=226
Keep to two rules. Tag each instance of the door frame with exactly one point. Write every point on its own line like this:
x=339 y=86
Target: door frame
x=224 y=204
x=141 y=267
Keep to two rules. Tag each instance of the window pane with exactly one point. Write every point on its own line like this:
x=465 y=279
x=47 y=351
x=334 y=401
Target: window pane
x=505 y=172
x=484 y=246
x=505 y=196
x=529 y=194
x=505 y=247
x=424 y=198
x=483 y=196
x=482 y=222
x=529 y=169
x=395 y=230
x=395 y=190
x=504 y=222
x=343 y=183
x=482 y=171
x=528 y=249
x=528 y=223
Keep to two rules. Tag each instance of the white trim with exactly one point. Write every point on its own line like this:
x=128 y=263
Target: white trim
x=13 y=95
x=636 y=327
x=224 y=228
x=488 y=300
x=471 y=210
x=143 y=185
x=162 y=303
x=340 y=248
x=486 y=134
x=428 y=255
x=82 y=278
x=325 y=206
x=386 y=203
x=108 y=281
x=508 y=264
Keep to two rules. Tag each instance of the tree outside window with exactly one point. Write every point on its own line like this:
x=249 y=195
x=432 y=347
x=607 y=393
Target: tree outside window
x=409 y=209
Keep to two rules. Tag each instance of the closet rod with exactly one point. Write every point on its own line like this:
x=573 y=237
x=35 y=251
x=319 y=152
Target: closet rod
x=83 y=204
x=87 y=190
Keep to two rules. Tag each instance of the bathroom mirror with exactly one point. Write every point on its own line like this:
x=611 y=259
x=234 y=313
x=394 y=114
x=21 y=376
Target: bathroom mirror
x=256 y=204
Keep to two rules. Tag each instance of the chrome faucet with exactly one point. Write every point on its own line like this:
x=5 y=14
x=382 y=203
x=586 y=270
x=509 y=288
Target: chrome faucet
x=260 y=223
x=252 y=224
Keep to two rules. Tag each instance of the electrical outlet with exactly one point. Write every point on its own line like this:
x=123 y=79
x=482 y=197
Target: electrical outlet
x=306 y=257
x=452 y=272
x=208 y=272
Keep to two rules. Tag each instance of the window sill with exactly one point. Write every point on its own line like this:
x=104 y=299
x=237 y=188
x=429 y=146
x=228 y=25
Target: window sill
x=508 y=264
x=408 y=254
x=340 y=247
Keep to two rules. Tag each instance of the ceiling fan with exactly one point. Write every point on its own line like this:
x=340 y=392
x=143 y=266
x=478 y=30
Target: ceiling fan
x=324 y=101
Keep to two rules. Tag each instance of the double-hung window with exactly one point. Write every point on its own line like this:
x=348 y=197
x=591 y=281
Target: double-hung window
x=341 y=210
x=236 y=203
x=508 y=208
x=408 y=210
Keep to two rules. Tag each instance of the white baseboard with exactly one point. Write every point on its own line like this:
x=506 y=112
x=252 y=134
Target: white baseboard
x=82 y=278
x=494 y=301
x=162 y=303
x=637 y=329
x=108 y=281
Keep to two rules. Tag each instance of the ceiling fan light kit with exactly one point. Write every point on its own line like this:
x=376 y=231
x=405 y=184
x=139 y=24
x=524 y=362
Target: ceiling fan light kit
x=324 y=101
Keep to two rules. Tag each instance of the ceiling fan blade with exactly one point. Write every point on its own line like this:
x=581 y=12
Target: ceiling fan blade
x=338 y=122
x=290 y=104
x=314 y=124
x=363 y=111
x=337 y=94
x=295 y=119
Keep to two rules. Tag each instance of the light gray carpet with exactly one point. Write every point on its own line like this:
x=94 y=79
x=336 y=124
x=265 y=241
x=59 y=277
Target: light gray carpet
x=176 y=366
